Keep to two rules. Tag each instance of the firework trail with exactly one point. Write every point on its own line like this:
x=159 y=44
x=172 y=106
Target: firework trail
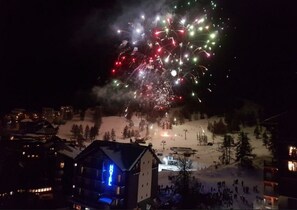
x=162 y=58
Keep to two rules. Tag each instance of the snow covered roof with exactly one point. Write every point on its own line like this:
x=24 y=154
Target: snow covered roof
x=124 y=155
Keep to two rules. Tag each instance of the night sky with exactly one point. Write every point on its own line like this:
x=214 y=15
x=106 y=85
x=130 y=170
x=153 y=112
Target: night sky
x=52 y=51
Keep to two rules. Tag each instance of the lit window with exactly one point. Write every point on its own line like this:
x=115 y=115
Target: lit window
x=119 y=178
x=292 y=151
x=118 y=190
x=292 y=166
x=81 y=169
x=62 y=164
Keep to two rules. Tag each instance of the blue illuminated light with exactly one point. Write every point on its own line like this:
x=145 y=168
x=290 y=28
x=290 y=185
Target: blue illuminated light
x=105 y=200
x=110 y=175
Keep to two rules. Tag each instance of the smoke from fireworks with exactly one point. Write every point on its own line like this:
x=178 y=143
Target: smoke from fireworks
x=162 y=58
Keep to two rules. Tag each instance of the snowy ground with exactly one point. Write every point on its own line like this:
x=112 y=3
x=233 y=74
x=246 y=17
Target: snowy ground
x=203 y=161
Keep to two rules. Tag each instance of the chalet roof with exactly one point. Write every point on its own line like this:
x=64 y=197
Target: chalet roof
x=124 y=155
x=38 y=127
x=285 y=123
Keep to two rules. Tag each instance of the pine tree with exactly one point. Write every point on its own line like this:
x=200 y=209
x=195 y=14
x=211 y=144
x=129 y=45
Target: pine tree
x=87 y=132
x=232 y=121
x=125 y=132
x=182 y=180
x=107 y=136
x=97 y=117
x=219 y=128
x=147 y=130
x=94 y=131
x=210 y=126
x=244 y=150
x=112 y=134
x=257 y=132
x=81 y=130
x=75 y=131
x=272 y=141
x=226 y=149
x=265 y=139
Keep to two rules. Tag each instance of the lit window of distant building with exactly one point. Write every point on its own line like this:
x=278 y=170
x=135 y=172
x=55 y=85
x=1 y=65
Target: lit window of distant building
x=292 y=151
x=292 y=166
x=62 y=164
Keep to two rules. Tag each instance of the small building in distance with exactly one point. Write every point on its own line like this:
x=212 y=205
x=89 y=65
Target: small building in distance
x=66 y=112
x=48 y=114
x=115 y=175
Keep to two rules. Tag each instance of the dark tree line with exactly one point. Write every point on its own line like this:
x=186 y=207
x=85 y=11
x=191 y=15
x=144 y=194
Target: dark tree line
x=80 y=134
x=242 y=148
x=128 y=132
x=109 y=135
x=226 y=149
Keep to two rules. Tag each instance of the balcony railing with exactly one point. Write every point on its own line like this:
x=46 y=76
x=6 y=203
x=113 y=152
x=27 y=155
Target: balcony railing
x=270 y=177
x=271 y=191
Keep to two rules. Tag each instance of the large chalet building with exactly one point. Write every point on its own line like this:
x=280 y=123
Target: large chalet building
x=112 y=175
x=35 y=174
x=280 y=175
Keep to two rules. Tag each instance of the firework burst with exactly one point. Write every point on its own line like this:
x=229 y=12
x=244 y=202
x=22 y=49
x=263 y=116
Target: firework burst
x=163 y=58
